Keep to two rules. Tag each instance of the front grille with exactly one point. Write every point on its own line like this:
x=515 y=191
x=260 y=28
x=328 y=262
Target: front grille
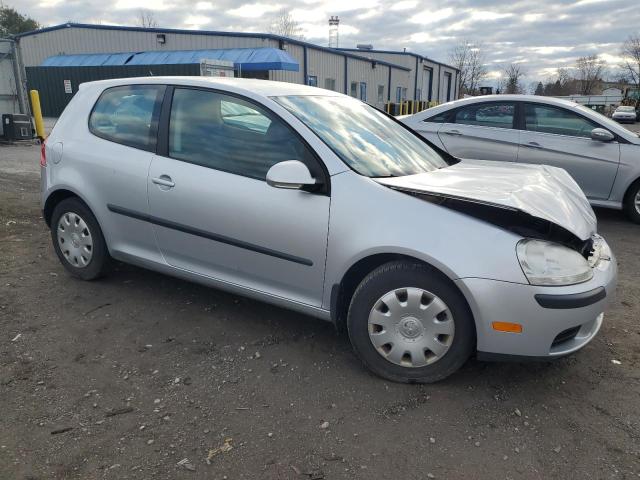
x=565 y=335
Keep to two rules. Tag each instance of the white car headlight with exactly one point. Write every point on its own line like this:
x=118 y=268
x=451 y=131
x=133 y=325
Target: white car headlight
x=547 y=263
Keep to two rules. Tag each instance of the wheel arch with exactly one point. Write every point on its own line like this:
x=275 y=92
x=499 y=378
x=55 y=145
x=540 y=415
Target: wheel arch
x=342 y=292
x=629 y=190
x=57 y=196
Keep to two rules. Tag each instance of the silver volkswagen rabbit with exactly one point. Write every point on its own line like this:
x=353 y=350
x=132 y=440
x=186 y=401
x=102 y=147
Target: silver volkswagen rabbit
x=320 y=203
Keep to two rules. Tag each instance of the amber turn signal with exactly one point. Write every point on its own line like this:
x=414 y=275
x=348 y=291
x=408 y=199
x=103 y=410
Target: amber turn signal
x=507 y=327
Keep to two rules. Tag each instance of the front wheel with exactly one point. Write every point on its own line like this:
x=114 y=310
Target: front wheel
x=632 y=203
x=408 y=323
x=78 y=240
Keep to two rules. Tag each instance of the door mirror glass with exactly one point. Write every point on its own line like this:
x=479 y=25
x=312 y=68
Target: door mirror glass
x=291 y=174
x=601 y=135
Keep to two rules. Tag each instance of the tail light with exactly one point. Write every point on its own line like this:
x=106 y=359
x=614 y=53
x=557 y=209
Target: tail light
x=43 y=154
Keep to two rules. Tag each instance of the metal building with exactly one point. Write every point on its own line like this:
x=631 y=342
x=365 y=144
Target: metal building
x=374 y=80
x=431 y=81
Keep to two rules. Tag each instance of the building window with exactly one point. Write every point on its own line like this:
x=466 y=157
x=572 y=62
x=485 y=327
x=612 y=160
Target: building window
x=330 y=83
x=312 y=80
x=363 y=91
x=404 y=94
x=354 y=89
x=398 y=94
x=380 y=93
x=419 y=94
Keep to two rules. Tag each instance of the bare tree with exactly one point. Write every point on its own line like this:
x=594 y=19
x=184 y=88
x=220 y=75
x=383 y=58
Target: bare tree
x=284 y=24
x=469 y=58
x=590 y=69
x=512 y=83
x=631 y=62
x=146 y=19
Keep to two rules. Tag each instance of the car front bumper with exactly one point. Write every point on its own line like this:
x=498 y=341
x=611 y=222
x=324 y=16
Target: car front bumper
x=624 y=118
x=556 y=321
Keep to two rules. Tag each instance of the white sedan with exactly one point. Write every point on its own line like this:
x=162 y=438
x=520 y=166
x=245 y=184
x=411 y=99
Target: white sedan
x=624 y=113
x=602 y=156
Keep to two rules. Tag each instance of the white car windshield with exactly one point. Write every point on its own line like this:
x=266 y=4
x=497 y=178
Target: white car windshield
x=625 y=109
x=364 y=138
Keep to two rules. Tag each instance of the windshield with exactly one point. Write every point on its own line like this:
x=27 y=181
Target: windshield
x=364 y=138
x=626 y=109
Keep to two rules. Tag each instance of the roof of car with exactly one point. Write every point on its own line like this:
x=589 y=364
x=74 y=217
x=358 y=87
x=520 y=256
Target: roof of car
x=266 y=88
x=511 y=97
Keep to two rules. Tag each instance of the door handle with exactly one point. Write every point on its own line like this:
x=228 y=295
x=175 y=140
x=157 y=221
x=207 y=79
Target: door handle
x=453 y=132
x=164 y=180
x=533 y=145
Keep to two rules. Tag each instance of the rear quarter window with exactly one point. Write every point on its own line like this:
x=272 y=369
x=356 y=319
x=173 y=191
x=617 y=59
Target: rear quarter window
x=128 y=115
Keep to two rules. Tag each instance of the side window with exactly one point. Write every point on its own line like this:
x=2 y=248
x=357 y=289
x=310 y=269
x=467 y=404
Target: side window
x=499 y=115
x=241 y=116
x=128 y=115
x=230 y=134
x=560 y=121
x=439 y=118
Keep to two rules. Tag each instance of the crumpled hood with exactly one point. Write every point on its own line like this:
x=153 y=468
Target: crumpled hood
x=541 y=191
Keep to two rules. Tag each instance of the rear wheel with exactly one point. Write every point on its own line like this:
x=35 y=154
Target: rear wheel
x=632 y=203
x=407 y=323
x=78 y=240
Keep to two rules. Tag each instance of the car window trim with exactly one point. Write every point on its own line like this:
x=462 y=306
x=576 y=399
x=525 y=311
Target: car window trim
x=324 y=186
x=452 y=113
x=155 y=115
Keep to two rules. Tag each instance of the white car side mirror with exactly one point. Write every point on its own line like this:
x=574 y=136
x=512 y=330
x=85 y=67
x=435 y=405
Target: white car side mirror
x=601 y=135
x=291 y=174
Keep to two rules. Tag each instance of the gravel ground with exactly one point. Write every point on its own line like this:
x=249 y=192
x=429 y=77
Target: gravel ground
x=127 y=377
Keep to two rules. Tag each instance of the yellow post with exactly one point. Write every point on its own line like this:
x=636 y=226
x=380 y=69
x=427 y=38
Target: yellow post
x=37 y=113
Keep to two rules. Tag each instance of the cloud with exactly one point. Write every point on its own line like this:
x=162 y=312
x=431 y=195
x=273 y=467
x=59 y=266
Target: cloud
x=253 y=10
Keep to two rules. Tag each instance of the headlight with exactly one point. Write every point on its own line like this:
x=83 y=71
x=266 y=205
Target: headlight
x=547 y=263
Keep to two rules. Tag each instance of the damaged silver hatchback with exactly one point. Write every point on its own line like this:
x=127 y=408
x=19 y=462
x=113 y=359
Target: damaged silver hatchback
x=320 y=203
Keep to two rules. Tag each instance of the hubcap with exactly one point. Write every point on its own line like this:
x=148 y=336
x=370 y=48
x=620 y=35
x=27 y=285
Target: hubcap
x=74 y=239
x=636 y=202
x=411 y=327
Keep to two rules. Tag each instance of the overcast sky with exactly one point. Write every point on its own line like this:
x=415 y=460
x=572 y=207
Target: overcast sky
x=542 y=34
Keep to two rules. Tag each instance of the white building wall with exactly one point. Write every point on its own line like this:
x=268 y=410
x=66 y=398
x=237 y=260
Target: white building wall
x=326 y=65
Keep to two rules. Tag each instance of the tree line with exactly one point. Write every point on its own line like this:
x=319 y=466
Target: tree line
x=585 y=77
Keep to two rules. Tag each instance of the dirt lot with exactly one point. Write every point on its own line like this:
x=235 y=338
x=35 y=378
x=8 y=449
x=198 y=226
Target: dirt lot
x=125 y=377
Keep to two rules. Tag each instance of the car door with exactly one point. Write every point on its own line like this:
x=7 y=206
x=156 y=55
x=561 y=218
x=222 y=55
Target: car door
x=482 y=131
x=560 y=137
x=115 y=162
x=215 y=214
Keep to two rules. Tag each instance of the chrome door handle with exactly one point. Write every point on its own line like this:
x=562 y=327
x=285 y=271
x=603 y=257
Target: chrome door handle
x=164 y=180
x=533 y=145
x=453 y=132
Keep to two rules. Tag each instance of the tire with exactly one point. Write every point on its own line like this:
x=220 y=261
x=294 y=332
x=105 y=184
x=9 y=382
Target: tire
x=631 y=208
x=412 y=278
x=73 y=224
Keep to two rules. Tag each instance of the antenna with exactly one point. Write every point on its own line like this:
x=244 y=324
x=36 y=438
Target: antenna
x=334 y=38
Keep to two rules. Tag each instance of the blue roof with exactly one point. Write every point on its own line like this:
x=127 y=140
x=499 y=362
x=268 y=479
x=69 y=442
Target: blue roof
x=247 y=59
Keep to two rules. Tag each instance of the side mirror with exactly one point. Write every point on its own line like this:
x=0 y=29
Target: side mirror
x=601 y=135
x=291 y=174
